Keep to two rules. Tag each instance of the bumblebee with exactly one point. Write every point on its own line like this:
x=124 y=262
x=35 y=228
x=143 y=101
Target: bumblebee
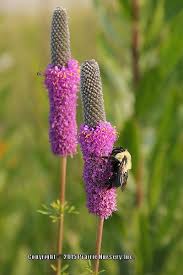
x=120 y=160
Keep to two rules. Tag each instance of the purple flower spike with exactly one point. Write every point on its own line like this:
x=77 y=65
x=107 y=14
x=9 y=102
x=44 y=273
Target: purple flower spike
x=62 y=77
x=97 y=139
x=62 y=84
x=97 y=142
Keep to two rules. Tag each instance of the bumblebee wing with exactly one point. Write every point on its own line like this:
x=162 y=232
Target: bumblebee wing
x=124 y=177
x=123 y=186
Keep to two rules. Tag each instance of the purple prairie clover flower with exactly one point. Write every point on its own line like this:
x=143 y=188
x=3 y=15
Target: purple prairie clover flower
x=95 y=143
x=62 y=78
x=62 y=84
x=97 y=138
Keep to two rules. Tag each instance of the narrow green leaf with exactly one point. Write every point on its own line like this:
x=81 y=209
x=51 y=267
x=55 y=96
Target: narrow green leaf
x=65 y=267
x=156 y=24
x=42 y=212
x=129 y=138
x=155 y=82
x=53 y=267
x=157 y=165
x=145 y=243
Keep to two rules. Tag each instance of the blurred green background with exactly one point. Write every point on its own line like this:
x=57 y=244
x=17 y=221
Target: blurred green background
x=148 y=116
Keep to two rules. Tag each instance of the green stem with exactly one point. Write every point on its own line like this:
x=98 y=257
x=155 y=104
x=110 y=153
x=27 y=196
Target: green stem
x=98 y=244
x=61 y=220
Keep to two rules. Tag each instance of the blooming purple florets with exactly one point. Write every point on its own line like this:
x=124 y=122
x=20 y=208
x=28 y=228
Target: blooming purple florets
x=95 y=143
x=62 y=84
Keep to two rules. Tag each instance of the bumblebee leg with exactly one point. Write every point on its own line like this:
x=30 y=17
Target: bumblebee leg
x=110 y=186
x=110 y=182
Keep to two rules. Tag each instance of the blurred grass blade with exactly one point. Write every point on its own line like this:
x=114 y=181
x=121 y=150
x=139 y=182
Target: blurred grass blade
x=159 y=157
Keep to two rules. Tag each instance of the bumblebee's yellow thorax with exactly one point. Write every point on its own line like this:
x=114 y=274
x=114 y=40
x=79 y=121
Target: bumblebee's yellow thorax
x=126 y=154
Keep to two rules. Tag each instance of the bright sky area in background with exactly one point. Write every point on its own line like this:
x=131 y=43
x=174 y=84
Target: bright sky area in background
x=34 y=5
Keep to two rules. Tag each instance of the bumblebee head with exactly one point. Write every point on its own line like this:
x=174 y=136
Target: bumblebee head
x=126 y=157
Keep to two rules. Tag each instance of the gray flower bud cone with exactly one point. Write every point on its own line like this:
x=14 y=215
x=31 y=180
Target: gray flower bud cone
x=60 y=38
x=91 y=93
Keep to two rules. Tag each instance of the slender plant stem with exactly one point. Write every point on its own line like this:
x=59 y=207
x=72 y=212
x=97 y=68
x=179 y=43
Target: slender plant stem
x=98 y=243
x=61 y=220
x=135 y=42
x=136 y=79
